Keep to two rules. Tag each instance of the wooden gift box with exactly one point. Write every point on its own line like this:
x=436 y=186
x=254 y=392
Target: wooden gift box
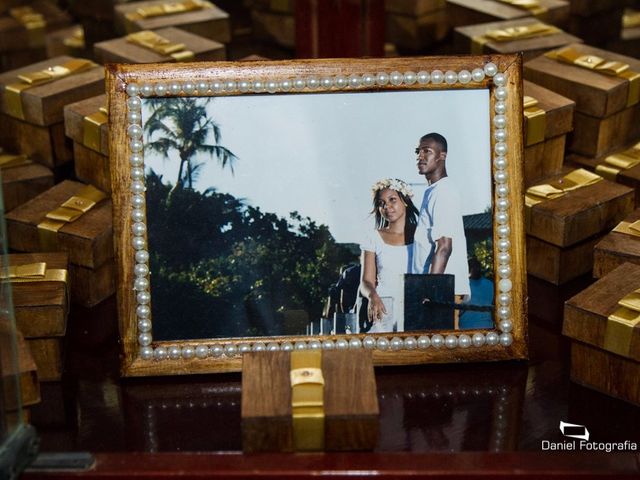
x=512 y=36
x=617 y=247
x=472 y=12
x=607 y=113
x=350 y=401
x=628 y=43
x=20 y=29
x=22 y=179
x=417 y=32
x=194 y=48
x=39 y=107
x=609 y=167
x=274 y=26
x=588 y=8
x=605 y=353
x=204 y=18
x=87 y=240
x=413 y=8
x=68 y=41
x=86 y=123
x=548 y=117
x=599 y=27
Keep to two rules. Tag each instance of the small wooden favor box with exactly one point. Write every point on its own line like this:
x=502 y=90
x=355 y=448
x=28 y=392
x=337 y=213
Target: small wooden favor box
x=605 y=334
x=415 y=24
x=350 y=402
x=607 y=114
x=527 y=35
x=87 y=239
x=199 y=17
x=150 y=47
x=472 y=12
x=32 y=100
x=548 y=117
x=621 y=245
x=22 y=179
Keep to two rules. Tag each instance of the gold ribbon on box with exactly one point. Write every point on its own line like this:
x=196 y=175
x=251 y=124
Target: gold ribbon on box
x=601 y=65
x=167 y=8
x=536 y=121
x=11 y=161
x=532 y=6
x=628 y=228
x=13 y=92
x=92 y=129
x=72 y=209
x=573 y=180
x=34 y=22
x=34 y=272
x=75 y=40
x=307 y=400
x=631 y=19
x=621 y=324
x=510 y=34
x=161 y=45
x=616 y=163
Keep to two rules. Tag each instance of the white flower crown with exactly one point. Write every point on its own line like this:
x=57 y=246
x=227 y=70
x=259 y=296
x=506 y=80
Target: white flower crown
x=393 y=184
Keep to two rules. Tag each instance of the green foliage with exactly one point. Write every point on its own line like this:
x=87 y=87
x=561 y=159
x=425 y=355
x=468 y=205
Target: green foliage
x=483 y=251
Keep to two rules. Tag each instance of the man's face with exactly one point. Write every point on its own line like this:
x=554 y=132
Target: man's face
x=428 y=157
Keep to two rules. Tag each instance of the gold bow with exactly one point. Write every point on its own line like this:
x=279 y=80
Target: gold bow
x=307 y=400
x=159 y=44
x=168 y=8
x=34 y=272
x=72 y=209
x=536 y=121
x=601 y=65
x=13 y=92
x=34 y=22
x=10 y=161
x=631 y=19
x=510 y=34
x=614 y=164
x=92 y=129
x=621 y=324
x=571 y=181
x=532 y=6
x=75 y=40
x=628 y=228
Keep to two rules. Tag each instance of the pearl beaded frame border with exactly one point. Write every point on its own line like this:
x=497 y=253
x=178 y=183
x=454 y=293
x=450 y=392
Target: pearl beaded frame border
x=353 y=82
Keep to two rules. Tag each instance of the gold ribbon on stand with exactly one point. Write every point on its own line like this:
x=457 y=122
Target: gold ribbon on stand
x=159 y=44
x=622 y=323
x=616 y=163
x=601 y=65
x=13 y=92
x=34 y=22
x=307 y=399
x=72 y=209
x=92 y=129
x=11 y=161
x=532 y=6
x=34 y=272
x=536 y=121
x=631 y=19
x=510 y=34
x=571 y=181
x=168 y=8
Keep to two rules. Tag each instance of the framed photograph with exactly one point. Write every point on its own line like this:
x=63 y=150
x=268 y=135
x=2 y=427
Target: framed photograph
x=318 y=204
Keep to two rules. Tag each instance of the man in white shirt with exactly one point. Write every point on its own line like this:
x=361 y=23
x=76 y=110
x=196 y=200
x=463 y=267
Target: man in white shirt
x=440 y=245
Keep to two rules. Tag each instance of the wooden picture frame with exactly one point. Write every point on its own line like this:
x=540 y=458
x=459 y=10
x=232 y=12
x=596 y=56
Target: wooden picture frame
x=476 y=99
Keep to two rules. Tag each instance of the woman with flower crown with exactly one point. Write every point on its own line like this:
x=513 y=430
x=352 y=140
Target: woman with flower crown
x=387 y=255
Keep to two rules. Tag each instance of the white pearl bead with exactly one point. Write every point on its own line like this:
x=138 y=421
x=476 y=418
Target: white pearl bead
x=477 y=339
x=143 y=298
x=504 y=271
x=286 y=346
x=396 y=343
x=137 y=215
x=437 y=341
x=326 y=82
x=368 y=80
x=230 y=350
x=137 y=187
x=141 y=283
x=137 y=173
x=500 y=163
x=315 y=345
x=202 y=351
x=502 y=217
x=144 y=339
x=500 y=93
x=259 y=347
x=410 y=343
x=136 y=160
x=504 y=312
x=133 y=89
x=230 y=86
x=146 y=90
x=273 y=346
x=258 y=86
x=492 y=338
x=502 y=190
x=141 y=270
x=424 y=342
x=410 y=77
x=341 y=81
x=423 y=77
x=451 y=341
x=146 y=353
x=450 y=77
x=504 y=299
x=382 y=343
x=500 y=121
x=138 y=228
x=437 y=77
x=313 y=83
x=505 y=326
x=477 y=74
x=500 y=176
x=503 y=230
x=138 y=243
x=504 y=258
x=136 y=146
x=285 y=85
x=355 y=343
x=134 y=117
x=490 y=69
x=396 y=78
x=342 y=344
x=464 y=76
x=500 y=135
x=160 y=89
x=244 y=86
x=271 y=86
x=300 y=345
x=244 y=348
x=299 y=84
x=369 y=342
x=189 y=88
x=174 y=88
x=504 y=244
x=500 y=79
x=216 y=351
x=134 y=103
x=354 y=81
x=382 y=78
x=500 y=148
x=500 y=108
x=202 y=87
x=216 y=86
x=506 y=339
x=143 y=311
x=174 y=352
x=464 y=341
x=160 y=353
x=328 y=345
x=505 y=285
x=144 y=325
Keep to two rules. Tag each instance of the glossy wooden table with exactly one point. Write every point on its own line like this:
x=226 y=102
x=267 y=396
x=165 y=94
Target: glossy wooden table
x=436 y=421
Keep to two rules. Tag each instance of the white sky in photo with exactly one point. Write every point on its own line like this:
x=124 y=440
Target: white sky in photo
x=319 y=154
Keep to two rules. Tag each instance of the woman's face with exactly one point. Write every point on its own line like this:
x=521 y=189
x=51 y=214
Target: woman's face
x=391 y=206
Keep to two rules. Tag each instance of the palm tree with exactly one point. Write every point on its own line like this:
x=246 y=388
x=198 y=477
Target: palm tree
x=183 y=126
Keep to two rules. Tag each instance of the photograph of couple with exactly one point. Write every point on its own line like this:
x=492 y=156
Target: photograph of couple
x=319 y=213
